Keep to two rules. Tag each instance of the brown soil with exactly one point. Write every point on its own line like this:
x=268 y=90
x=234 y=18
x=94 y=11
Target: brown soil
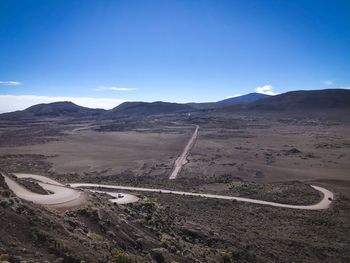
x=272 y=158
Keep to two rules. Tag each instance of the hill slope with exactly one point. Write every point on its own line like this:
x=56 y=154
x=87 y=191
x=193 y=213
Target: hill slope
x=298 y=101
x=251 y=97
x=55 y=109
x=148 y=108
x=329 y=99
x=306 y=100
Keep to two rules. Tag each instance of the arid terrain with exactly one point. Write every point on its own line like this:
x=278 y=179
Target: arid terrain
x=174 y=131
x=266 y=157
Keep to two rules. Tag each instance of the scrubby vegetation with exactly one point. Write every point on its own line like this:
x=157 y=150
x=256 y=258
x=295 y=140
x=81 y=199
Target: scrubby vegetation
x=249 y=156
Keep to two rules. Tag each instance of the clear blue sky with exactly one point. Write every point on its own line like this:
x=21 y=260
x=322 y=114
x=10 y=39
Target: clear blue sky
x=170 y=50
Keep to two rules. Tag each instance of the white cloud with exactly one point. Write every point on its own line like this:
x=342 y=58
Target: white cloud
x=10 y=83
x=266 y=89
x=327 y=82
x=101 y=88
x=20 y=102
x=233 y=96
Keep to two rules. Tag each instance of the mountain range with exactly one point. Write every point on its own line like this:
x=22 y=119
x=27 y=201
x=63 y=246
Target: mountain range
x=329 y=99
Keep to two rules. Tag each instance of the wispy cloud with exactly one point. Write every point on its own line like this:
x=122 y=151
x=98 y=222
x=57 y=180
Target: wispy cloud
x=10 y=83
x=20 y=102
x=266 y=89
x=327 y=82
x=112 y=88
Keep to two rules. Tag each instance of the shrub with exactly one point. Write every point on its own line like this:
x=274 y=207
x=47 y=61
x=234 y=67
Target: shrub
x=5 y=203
x=164 y=238
x=149 y=203
x=4 y=257
x=119 y=256
x=91 y=235
x=225 y=257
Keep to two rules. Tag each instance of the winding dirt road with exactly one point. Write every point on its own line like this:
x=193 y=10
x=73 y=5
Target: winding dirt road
x=182 y=160
x=323 y=204
x=61 y=195
x=65 y=195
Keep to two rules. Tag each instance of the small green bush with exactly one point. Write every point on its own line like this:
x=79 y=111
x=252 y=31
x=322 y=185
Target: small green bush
x=119 y=256
x=4 y=257
x=225 y=257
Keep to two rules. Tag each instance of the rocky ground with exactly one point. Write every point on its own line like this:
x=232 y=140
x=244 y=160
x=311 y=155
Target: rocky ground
x=253 y=154
x=168 y=228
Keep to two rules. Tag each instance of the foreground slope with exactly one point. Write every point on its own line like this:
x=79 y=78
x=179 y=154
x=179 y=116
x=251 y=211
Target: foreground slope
x=166 y=228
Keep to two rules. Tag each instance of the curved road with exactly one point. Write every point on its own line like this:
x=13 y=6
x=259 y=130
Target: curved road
x=182 y=160
x=64 y=194
x=61 y=194
x=323 y=204
x=126 y=199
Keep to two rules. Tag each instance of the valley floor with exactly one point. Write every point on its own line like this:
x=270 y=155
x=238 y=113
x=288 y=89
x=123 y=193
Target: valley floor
x=269 y=158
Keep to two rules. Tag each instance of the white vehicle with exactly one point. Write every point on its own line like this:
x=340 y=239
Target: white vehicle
x=120 y=195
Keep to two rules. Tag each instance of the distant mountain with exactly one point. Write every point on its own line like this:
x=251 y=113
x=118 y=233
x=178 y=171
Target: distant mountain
x=148 y=108
x=251 y=97
x=294 y=101
x=303 y=100
x=55 y=109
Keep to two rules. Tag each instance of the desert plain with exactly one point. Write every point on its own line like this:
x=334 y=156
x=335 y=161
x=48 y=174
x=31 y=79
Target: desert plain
x=267 y=157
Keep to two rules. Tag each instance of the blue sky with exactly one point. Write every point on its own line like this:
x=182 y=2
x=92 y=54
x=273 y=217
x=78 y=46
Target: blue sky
x=100 y=53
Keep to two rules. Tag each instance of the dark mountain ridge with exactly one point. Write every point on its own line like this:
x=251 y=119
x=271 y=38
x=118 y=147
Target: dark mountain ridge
x=55 y=109
x=251 y=97
x=149 y=108
x=302 y=100
x=294 y=101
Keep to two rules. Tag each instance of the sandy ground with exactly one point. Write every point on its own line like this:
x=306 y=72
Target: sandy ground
x=263 y=150
x=109 y=152
x=268 y=153
x=259 y=150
